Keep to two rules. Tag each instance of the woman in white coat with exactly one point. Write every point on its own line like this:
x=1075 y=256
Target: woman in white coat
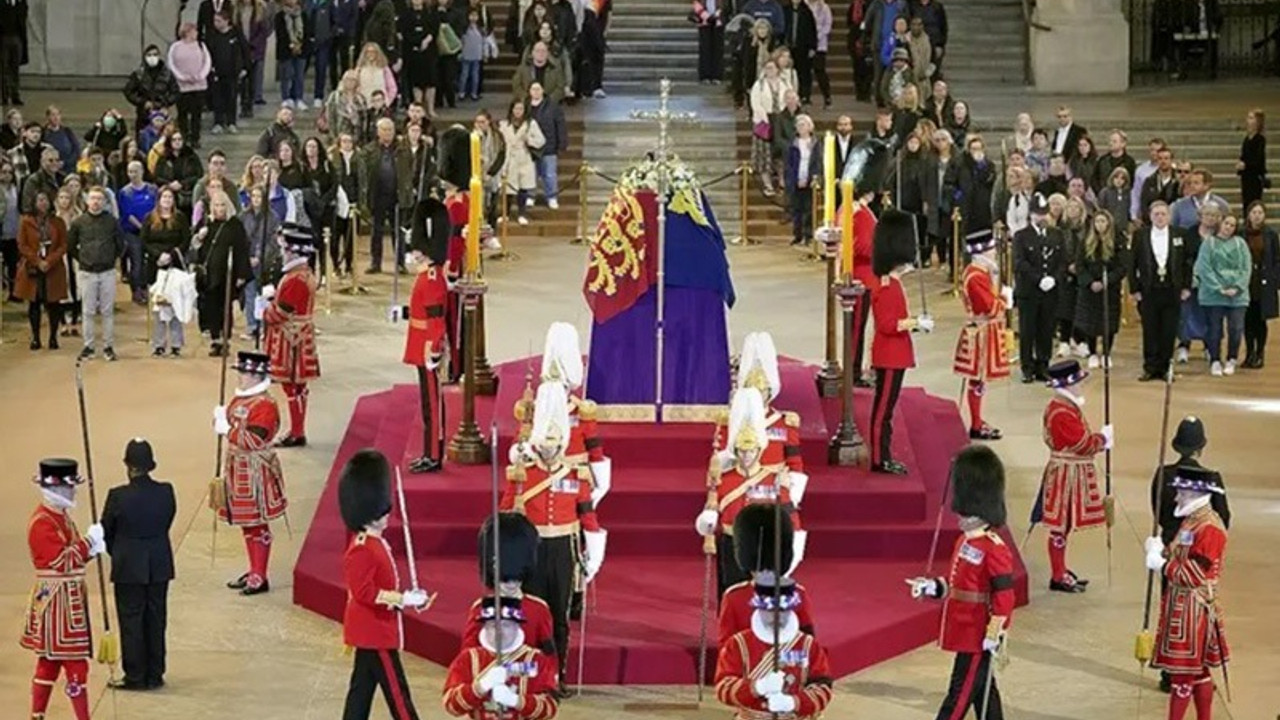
x=522 y=137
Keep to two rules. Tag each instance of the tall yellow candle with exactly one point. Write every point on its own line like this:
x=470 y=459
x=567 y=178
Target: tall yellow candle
x=475 y=206
x=476 y=170
x=846 y=228
x=828 y=180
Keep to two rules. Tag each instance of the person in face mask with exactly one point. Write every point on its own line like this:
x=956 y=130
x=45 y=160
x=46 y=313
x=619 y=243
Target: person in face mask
x=107 y=134
x=150 y=87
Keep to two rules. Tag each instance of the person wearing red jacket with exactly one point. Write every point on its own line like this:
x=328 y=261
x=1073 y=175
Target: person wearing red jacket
x=372 y=623
x=981 y=350
x=977 y=595
x=556 y=497
x=501 y=677
x=739 y=602
x=864 y=232
x=290 y=337
x=758 y=369
x=252 y=490
x=1070 y=496
x=1189 y=638
x=892 y=353
x=747 y=678
x=56 y=625
x=518 y=538
x=425 y=343
x=743 y=483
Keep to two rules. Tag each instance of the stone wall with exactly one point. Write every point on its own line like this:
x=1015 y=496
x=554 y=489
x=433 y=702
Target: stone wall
x=97 y=37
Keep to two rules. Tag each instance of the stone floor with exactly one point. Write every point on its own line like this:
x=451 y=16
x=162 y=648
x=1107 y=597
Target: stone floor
x=263 y=658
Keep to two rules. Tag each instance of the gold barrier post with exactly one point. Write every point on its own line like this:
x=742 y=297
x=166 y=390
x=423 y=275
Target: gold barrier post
x=328 y=272
x=504 y=239
x=744 y=190
x=353 y=234
x=955 y=252
x=814 y=253
x=583 y=171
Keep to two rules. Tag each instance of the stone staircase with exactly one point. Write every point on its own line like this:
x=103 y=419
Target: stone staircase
x=649 y=40
x=985 y=45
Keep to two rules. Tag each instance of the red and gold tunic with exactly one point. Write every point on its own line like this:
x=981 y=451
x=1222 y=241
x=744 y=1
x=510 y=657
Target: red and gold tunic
x=557 y=501
x=1190 y=634
x=458 y=207
x=891 y=347
x=1072 y=498
x=253 y=480
x=783 y=430
x=980 y=587
x=765 y=484
x=735 y=611
x=372 y=619
x=530 y=673
x=585 y=444
x=537 y=625
x=745 y=657
x=425 y=341
x=981 y=351
x=290 y=333
x=57 y=621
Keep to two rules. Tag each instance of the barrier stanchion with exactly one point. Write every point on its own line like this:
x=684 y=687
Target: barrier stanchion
x=744 y=189
x=583 y=171
x=328 y=272
x=955 y=252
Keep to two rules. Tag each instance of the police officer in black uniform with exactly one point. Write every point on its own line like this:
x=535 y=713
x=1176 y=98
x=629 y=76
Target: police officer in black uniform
x=1039 y=263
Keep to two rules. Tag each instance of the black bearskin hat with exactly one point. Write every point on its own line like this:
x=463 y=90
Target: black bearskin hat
x=364 y=489
x=518 y=538
x=430 y=232
x=977 y=485
x=869 y=165
x=753 y=540
x=455 y=157
x=895 y=241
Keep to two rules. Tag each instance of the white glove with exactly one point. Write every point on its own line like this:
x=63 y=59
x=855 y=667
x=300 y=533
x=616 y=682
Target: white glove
x=268 y=292
x=1047 y=283
x=1155 y=560
x=96 y=538
x=798 y=541
x=494 y=677
x=769 y=684
x=779 y=703
x=414 y=598
x=1109 y=432
x=260 y=304
x=505 y=696
x=1006 y=293
x=923 y=587
x=602 y=476
x=595 y=542
x=799 y=484
x=1153 y=545
x=925 y=323
x=990 y=645
x=706 y=522
x=221 y=425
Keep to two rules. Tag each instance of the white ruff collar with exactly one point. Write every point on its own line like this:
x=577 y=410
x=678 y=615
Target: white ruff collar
x=255 y=390
x=763 y=629
x=1190 y=506
x=296 y=262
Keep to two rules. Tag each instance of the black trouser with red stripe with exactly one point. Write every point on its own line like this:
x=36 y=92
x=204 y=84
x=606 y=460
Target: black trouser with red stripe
x=432 y=413
x=378 y=669
x=888 y=387
x=554 y=580
x=968 y=686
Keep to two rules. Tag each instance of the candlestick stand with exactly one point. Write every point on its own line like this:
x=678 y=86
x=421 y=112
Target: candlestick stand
x=829 y=377
x=468 y=446
x=847 y=448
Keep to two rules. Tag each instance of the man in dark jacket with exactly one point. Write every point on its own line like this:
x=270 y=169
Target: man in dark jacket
x=346 y=14
x=550 y=118
x=934 y=17
x=766 y=10
x=150 y=87
x=1159 y=281
x=204 y=16
x=229 y=56
x=95 y=243
x=278 y=132
x=13 y=49
x=1039 y=262
x=380 y=189
x=136 y=521
x=802 y=38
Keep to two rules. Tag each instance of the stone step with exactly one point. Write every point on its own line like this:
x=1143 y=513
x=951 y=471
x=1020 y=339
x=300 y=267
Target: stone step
x=667 y=21
x=653 y=62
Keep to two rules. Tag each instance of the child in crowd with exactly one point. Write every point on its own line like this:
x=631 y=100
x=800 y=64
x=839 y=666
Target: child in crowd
x=153 y=131
x=1038 y=155
x=173 y=304
x=471 y=57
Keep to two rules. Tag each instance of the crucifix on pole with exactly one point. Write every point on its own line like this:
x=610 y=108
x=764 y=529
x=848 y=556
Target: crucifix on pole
x=664 y=116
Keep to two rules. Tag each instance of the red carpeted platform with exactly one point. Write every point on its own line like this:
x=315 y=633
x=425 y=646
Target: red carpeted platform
x=867 y=532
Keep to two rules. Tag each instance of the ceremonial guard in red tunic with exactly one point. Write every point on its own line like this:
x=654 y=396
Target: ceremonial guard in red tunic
x=982 y=352
x=758 y=368
x=1071 y=498
x=290 y=330
x=864 y=232
x=1190 y=638
x=373 y=622
x=455 y=175
x=425 y=341
x=519 y=554
x=56 y=627
x=502 y=677
x=978 y=594
x=556 y=497
x=743 y=480
x=773 y=668
x=892 y=353
x=738 y=602
x=253 y=483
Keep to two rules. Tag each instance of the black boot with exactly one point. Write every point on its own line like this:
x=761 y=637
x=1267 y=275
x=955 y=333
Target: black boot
x=1260 y=358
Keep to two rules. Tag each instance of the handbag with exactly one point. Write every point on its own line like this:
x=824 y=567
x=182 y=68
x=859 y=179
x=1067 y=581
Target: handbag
x=763 y=131
x=449 y=43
